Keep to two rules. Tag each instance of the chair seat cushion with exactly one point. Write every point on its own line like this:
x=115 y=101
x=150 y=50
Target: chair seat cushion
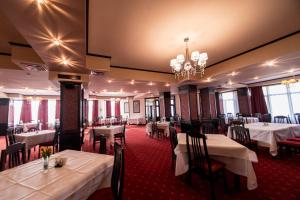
x=296 y=139
x=215 y=166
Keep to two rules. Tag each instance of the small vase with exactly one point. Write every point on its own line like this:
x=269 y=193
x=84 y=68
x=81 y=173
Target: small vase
x=46 y=162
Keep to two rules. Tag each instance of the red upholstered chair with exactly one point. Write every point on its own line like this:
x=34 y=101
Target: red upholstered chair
x=296 y=139
x=288 y=145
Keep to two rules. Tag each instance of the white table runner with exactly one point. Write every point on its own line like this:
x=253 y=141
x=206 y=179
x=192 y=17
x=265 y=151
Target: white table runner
x=236 y=157
x=83 y=174
x=32 y=139
x=269 y=135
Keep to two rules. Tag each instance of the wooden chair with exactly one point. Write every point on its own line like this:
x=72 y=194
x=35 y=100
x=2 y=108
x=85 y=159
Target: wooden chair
x=282 y=119
x=14 y=158
x=117 y=178
x=266 y=118
x=121 y=136
x=258 y=115
x=209 y=127
x=200 y=162
x=159 y=132
x=173 y=142
x=53 y=143
x=96 y=138
x=297 y=118
x=10 y=137
x=242 y=136
x=185 y=127
x=236 y=123
x=19 y=129
x=229 y=115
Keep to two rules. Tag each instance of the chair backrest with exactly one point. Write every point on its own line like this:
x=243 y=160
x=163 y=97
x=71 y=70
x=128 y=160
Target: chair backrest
x=209 y=127
x=241 y=135
x=32 y=129
x=281 y=119
x=229 y=115
x=14 y=158
x=236 y=123
x=258 y=115
x=221 y=116
x=173 y=138
x=195 y=126
x=266 y=118
x=10 y=137
x=185 y=126
x=197 y=152
x=297 y=118
x=117 y=178
x=19 y=129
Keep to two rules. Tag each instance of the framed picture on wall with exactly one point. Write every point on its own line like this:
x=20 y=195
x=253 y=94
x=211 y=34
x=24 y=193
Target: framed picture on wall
x=136 y=106
x=126 y=107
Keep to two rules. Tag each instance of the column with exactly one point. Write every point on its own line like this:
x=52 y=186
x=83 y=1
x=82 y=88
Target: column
x=165 y=105
x=4 y=110
x=244 y=101
x=188 y=102
x=71 y=96
x=208 y=103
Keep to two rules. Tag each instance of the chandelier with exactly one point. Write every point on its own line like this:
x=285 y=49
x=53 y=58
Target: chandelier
x=190 y=64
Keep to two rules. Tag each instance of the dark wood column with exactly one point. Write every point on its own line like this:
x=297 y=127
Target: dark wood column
x=4 y=109
x=70 y=115
x=165 y=105
x=244 y=100
x=208 y=103
x=219 y=103
x=188 y=102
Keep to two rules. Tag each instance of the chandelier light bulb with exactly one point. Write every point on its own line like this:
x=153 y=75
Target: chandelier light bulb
x=195 y=56
x=180 y=58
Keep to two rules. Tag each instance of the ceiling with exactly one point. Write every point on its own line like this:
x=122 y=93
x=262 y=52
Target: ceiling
x=147 y=34
x=144 y=35
x=41 y=24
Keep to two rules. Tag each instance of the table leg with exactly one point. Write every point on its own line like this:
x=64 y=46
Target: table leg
x=28 y=154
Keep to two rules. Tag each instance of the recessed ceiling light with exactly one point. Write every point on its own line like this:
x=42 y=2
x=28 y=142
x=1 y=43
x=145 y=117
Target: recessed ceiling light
x=255 y=78
x=233 y=73
x=270 y=63
x=151 y=83
x=291 y=70
x=49 y=88
x=1 y=86
x=149 y=91
x=121 y=90
x=41 y=1
x=65 y=61
x=132 y=82
x=135 y=91
x=208 y=79
x=56 y=42
x=26 y=88
x=104 y=90
x=230 y=83
x=109 y=81
x=167 y=85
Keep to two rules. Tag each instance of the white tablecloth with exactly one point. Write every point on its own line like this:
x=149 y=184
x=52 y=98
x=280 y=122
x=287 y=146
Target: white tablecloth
x=247 y=120
x=27 y=126
x=108 y=132
x=162 y=125
x=81 y=176
x=269 y=135
x=32 y=139
x=236 y=157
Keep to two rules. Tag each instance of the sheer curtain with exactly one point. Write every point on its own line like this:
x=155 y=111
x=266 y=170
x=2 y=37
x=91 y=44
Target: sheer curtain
x=17 y=111
x=90 y=111
x=51 y=112
x=230 y=103
x=34 y=110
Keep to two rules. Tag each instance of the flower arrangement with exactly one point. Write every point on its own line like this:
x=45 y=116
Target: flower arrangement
x=46 y=152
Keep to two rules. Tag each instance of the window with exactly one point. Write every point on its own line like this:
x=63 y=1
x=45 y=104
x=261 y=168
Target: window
x=230 y=103
x=173 y=106
x=34 y=110
x=157 y=108
x=51 y=112
x=283 y=99
x=112 y=105
x=17 y=111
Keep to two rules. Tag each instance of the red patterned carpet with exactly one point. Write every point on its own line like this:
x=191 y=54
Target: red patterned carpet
x=148 y=175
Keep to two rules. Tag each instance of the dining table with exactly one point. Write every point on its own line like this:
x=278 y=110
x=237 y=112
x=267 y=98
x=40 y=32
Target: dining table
x=237 y=158
x=108 y=131
x=161 y=125
x=32 y=139
x=246 y=120
x=82 y=174
x=268 y=134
